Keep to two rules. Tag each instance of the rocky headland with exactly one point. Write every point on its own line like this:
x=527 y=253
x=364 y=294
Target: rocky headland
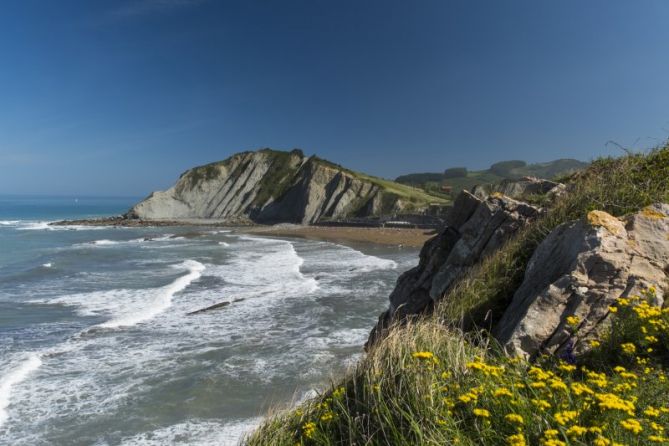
x=269 y=186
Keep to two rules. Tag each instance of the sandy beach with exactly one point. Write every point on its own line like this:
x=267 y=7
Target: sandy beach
x=341 y=234
x=384 y=236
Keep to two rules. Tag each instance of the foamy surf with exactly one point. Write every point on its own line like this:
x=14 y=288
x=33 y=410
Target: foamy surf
x=202 y=433
x=14 y=377
x=47 y=226
x=162 y=300
x=296 y=315
x=128 y=307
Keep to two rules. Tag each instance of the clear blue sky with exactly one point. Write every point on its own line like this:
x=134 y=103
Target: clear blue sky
x=120 y=97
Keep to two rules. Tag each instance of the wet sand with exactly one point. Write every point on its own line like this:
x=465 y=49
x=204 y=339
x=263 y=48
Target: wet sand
x=383 y=236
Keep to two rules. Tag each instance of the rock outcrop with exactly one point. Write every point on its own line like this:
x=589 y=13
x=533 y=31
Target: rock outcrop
x=580 y=270
x=271 y=186
x=519 y=188
x=475 y=227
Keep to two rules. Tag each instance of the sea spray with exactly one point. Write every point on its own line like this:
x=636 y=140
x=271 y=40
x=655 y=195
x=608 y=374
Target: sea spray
x=15 y=376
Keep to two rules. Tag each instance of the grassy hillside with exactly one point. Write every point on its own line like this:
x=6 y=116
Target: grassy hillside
x=428 y=383
x=432 y=182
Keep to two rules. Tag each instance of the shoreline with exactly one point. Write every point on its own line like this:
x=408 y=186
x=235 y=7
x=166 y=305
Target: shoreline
x=407 y=237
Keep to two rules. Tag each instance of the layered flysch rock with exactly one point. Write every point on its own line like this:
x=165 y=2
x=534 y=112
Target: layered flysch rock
x=475 y=227
x=271 y=186
x=580 y=270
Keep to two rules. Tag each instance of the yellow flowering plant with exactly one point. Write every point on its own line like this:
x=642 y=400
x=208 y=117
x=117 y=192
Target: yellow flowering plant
x=474 y=395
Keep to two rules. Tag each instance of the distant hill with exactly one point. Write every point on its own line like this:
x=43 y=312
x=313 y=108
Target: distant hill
x=459 y=178
x=271 y=186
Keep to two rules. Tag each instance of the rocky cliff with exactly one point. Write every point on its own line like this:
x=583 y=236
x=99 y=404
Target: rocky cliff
x=477 y=225
x=269 y=186
x=580 y=270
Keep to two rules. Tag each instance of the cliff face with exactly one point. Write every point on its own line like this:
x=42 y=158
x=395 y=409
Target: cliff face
x=270 y=186
x=478 y=224
x=572 y=280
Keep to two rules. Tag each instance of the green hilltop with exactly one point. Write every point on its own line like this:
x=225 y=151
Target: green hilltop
x=460 y=178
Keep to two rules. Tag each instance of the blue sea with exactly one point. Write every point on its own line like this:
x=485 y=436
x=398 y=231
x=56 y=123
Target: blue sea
x=97 y=346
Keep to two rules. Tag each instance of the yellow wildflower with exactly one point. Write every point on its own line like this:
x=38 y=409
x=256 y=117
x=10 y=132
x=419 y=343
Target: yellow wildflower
x=502 y=391
x=628 y=348
x=516 y=440
x=514 y=418
x=577 y=431
x=482 y=413
x=309 y=429
x=423 y=355
x=572 y=320
x=631 y=425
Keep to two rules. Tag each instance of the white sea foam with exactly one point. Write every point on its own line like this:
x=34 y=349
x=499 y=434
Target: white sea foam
x=9 y=222
x=104 y=242
x=225 y=244
x=161 y=301
x=134 y=241
x=265 y=268
x=35 y=226
x=205 y=433
x=131 y=307
x=289 y=328
x=46 y=226
x=13 y=377
x=47 y=265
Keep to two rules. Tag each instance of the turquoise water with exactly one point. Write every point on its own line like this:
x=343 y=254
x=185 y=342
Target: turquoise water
x=97 y=347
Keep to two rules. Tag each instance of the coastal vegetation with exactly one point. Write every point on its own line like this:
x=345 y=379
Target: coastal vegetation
x=442 y=379
x=456 y=179
x=408 y=192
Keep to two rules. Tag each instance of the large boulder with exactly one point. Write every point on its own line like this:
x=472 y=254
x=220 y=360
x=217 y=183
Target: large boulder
x=580 y=270
x=475 y=227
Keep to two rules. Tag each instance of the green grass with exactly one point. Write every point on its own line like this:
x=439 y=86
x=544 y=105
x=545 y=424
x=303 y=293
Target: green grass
x=279 y=177
x=428 y=385
x=432 y=182
x=404 y=191
x=615 y=185
x=393 y=397
x=413 y=194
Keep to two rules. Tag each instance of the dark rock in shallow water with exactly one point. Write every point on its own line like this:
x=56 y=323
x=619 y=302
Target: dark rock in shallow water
x=214 y=307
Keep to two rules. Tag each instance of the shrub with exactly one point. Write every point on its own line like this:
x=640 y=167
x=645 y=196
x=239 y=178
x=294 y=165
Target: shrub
x=505 y=168
x=455 y=172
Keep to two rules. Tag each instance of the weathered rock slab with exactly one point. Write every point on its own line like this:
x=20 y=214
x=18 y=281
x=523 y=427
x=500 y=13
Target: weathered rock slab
x=580 y=270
